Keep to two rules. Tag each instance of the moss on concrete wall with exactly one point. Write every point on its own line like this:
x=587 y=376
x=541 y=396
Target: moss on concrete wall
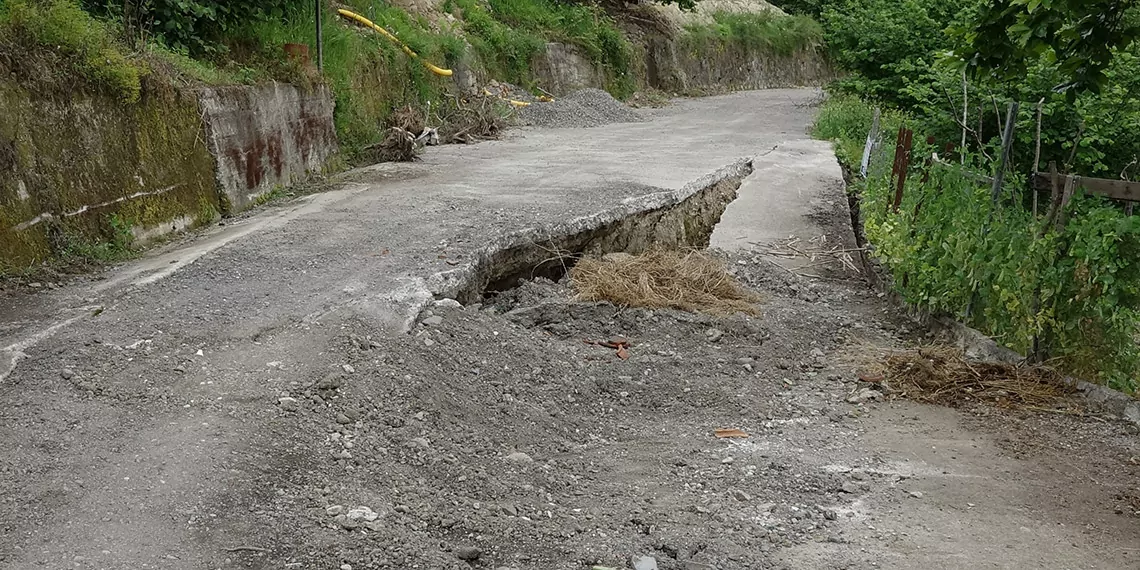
x=79 y=166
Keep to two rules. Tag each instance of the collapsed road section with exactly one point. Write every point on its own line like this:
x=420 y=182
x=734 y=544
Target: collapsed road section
x=257 y=406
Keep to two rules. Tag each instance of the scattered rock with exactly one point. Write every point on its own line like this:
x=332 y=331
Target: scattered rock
x=916 y=494
x=864 y=395
x=288 y=404
x=346 y=567
x=348 y=368
x=643 y=563
x=714 y=335
x=741 y=495
x=468 y=553
x=347 y=523
x=830 y=515
x=583 y=108
x=519 y=457
x=404 y=509
x=66 y=373
x=727 y=460
x=330 y=382
x=849 y=487
x=334 y=510
x=362 y=514
x=342 y=419
x=433 y=321
x=448 y=303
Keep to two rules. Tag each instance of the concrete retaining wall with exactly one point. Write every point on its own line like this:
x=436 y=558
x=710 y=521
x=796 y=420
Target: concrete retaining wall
x=563 y=68
x=80 y=168
x=265 y=136
x=674 y=67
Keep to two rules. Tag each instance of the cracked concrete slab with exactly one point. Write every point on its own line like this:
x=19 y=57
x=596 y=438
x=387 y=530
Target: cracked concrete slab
x=392 y=226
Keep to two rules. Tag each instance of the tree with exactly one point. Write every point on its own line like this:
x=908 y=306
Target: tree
x=1081 y=36
x=883 y=42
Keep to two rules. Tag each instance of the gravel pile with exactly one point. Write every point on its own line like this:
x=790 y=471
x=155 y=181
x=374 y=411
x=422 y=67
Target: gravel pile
x=584 y=108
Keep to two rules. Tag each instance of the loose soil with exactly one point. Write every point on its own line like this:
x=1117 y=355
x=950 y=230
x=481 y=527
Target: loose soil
x=494 y=430
x=238 y=415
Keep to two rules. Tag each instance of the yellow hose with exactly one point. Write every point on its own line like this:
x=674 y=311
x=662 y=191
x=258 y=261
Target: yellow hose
x=514 y=102
x=354 y=16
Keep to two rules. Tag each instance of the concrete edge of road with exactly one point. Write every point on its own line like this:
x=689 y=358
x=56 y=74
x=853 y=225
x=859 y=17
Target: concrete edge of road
x=447 y=284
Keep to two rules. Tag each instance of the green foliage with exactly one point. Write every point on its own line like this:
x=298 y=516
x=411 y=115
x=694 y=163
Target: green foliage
x=508 y=34
x=765 y=32
x=507 y=52
x=846 y=120
x=1008 y=36
x=950 y=246
x=118 y=244
x=199 y=28
x=88 y=44
x=882 y=42
x=368 y=74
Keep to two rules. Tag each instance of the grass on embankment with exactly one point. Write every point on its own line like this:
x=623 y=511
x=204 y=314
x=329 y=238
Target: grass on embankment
x=757 y=33
x=998 y=266
x=508 y=34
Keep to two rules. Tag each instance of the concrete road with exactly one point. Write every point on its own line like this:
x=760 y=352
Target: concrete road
x=137 y=410
x=275 y=286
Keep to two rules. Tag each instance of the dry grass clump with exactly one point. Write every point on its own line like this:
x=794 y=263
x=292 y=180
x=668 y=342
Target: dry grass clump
x=686 y=280
x=942 y=375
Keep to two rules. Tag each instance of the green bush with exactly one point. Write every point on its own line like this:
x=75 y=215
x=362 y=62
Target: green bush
x=845 y=120
x=87 y=43
x=764 y=32
x=950 y=247
x=368 y=74
x=509 y=34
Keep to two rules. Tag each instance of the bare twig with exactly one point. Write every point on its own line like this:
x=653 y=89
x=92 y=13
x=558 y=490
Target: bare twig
x=1037 y=152
x=1076 y=144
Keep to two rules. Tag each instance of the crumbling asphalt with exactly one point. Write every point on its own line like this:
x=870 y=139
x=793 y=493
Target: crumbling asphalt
x=285 y=391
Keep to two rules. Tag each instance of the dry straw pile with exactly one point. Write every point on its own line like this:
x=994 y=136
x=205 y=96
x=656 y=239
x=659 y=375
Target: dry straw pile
x=686 y=280
x=942 y=375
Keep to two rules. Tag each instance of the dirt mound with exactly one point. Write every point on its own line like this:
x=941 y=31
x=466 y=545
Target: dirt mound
x=583 y=108
x=690 y=281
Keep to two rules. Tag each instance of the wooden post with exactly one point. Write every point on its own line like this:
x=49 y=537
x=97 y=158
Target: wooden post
x=897 y=161
x=872 y=136
x=1006 y=143
x=1039 y=352
x=1037 y=153
x=965 y=114
x=903 y=166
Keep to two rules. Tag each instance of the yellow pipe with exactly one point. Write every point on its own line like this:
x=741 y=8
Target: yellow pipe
x=514 y=102
x=354 y=16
